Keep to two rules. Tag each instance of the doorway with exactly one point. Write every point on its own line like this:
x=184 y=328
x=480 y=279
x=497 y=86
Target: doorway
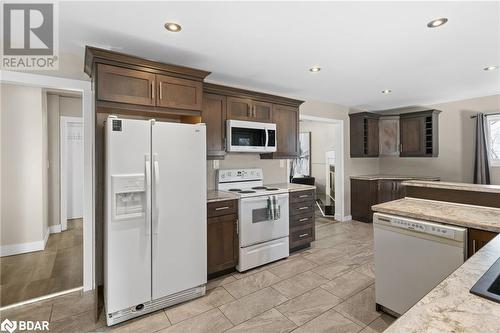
x=42 y=250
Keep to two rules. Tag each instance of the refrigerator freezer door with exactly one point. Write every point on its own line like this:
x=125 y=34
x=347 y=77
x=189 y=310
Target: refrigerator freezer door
x=127 y=261
x=179 y=192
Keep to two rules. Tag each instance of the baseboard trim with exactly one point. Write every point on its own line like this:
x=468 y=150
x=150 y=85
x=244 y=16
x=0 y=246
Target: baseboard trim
x=56 y=228
x=9 y=250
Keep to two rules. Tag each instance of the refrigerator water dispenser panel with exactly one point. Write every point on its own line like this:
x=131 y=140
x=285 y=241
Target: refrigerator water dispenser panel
x=129 y=192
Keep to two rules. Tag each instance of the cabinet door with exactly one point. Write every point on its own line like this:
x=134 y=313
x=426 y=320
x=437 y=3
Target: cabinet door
x=262 y=111
x=222 y=243
x=239 y=109
x=123 y=85
x=363 y=197
x=178 y=93
x=385 y=191
x=214 y=116
x=476 y=239
x=372 y=138
x=287 y=128
x=412 y=133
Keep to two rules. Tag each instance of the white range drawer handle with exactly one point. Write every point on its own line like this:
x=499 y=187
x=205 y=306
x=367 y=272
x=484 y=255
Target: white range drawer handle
x=304 y=219
x=222 y=208
x=301 y=208
x=303 y=196
x=303 y=235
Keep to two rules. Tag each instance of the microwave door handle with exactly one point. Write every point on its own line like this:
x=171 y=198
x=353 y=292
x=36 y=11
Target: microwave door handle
x=267 y=138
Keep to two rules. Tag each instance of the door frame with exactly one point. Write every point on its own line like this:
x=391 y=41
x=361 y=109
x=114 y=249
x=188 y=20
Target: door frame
x=63 y=151
x=339 y=164
x=85 y=88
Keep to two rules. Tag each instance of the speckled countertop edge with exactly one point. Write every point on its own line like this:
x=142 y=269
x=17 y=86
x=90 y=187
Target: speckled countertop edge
x=393 y=177
x=454 y=186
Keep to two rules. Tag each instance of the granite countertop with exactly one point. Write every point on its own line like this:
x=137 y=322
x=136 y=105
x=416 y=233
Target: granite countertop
x=450 y=307
x=478 y=217
x=454 y=186
x=392 y=177
x=214 y=195
x=292 y=187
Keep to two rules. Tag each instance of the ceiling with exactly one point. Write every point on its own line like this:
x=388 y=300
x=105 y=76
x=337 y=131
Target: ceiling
x=362 y=47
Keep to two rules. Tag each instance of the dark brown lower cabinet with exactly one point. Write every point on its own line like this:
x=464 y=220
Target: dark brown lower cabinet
x=301 y=219
x=222 y=236
x=476 y=239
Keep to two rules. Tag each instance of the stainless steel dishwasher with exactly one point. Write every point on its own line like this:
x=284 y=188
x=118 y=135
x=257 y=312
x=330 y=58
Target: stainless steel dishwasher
x=411 y=258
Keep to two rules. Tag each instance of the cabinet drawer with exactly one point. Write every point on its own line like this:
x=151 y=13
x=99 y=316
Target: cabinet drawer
x=302 y=208
x=301 y=235
x=302 y=196
x=219 y=208
x=301 y=220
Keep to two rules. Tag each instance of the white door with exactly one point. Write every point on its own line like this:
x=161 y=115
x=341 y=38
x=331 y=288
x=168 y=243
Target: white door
x=179 y=207
x=256 y=224
x=127 y=261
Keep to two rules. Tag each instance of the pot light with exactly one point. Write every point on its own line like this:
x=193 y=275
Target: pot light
x=437 y=22
x=314 y=69
x=173 y=27
x=386 y=91
x=490 y=68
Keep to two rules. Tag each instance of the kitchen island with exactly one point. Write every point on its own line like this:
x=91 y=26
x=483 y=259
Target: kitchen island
x=450 y=307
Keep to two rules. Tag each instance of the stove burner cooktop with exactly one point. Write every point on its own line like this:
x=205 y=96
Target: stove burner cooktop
x=246 y=191
x=272 y=189
x=235 y=189
x=259 y=188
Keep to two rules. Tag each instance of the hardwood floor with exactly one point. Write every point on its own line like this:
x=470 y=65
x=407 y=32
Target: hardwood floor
x=58 y=267
x=328 y=287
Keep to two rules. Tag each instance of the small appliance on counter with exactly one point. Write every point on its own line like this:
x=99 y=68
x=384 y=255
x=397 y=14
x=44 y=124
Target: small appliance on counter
x=250 y=137
x=155 y=243
x=262 y=217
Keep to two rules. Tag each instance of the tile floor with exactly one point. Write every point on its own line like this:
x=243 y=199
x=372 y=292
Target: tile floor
x=58 y=267
x=326 y=288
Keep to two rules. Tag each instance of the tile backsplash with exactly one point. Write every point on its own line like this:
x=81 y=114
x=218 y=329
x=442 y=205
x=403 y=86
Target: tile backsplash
x=275 y=171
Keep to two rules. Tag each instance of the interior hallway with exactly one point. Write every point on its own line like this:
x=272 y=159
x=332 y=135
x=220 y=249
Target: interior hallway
x=58 y=267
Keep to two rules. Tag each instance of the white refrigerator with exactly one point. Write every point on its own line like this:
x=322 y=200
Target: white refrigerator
x=155 y=218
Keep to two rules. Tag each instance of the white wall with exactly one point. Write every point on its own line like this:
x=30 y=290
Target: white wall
x=456 y=144
x=352 y=166
x=275 y=171
x=57 y=106
x=22 y=166
x=322 y=140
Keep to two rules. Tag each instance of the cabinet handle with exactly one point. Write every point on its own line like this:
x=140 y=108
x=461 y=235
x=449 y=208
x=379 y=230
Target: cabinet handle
x=303 y=235
x=302 y=208
x=254 y=111
x=473 y=246
x=222 y=208
x=237 y=231
x=161 y=93
x=304 y=219
x=303 y=196
x=152 y=89
x=249 y=111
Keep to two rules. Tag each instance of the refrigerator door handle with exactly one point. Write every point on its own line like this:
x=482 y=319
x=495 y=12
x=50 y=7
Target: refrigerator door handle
x=156 y=176
x=147 y=163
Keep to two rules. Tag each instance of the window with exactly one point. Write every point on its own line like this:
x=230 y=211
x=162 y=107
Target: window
x=494 y=138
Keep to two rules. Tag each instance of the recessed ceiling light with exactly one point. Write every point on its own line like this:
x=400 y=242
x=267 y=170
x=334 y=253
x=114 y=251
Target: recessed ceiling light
x=437 y=22
x=173 y=27
x=386 y=91
x=314 y=69
x=490 y=68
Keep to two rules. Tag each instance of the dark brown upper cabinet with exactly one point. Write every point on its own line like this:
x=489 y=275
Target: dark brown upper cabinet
x=287 y=132
x=419 y=134
x=135 y=86
x=364 y=134
x=214 y=116
x=178 y=93
x=122 y=85
x=248 y=109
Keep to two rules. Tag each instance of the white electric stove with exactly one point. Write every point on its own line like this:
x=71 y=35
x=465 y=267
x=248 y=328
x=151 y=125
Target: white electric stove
x=262 y=216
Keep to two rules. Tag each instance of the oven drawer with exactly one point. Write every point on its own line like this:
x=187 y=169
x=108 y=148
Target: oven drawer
x=302 y=196
x=302 y=208
x=219 y=208
x=301 y=220
x=301 y=235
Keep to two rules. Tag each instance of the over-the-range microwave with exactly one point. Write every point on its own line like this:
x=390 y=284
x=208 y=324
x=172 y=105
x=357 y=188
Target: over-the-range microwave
x=250 y=136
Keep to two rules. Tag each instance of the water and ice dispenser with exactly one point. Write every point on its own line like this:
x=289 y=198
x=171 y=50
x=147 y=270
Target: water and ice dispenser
x=129 y=193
